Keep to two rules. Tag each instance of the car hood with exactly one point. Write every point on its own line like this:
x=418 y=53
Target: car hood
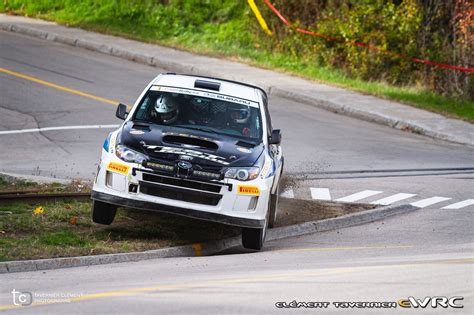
x=198 y=147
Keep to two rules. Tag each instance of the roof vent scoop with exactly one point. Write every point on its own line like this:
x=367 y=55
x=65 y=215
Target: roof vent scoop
x=208 y=85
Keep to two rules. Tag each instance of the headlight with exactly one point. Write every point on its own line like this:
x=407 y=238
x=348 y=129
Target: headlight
x=242 y=173
x=129 y=155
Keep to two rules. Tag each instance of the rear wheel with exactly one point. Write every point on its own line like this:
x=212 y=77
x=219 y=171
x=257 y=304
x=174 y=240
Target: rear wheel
x=103 y=213
x=273 y=207
x=254 y=238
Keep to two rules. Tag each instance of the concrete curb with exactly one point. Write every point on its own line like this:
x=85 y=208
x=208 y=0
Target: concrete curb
x=446 y=129
x=34 y=178
x=208 y=248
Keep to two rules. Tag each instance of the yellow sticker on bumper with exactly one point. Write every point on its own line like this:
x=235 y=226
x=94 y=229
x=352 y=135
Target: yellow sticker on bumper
x=248 y=190
x=117 y=167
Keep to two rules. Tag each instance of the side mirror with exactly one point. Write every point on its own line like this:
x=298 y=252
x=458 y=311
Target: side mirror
x=275 y=138
x=121 y=111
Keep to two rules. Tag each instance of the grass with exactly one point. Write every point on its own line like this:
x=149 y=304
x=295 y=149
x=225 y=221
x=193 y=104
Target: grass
x=65 y=229
x=219 y=30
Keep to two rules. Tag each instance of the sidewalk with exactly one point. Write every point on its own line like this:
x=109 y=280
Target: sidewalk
x=331 y=98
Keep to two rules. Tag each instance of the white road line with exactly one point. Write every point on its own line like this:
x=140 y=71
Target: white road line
x=359 y=195
x=320 y=193
x=9 y=132
x=288 y=193
x=461 y=204
x=428 y=201
x=392 y=199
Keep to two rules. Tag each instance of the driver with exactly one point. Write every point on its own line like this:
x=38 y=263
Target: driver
x=238 y=119
x=165 y=110
x=199 y=113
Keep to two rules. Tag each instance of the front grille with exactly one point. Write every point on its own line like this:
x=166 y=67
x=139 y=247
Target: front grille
x=181 y=183
x=171 y=193
x=180 y=189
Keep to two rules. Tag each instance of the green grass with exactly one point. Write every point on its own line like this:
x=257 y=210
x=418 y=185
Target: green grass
x=24 y=235
x=219 y=29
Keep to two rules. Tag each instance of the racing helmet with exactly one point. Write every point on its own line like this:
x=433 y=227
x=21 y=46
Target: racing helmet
x=239 y=115
x=200 y=105
x=166 y=109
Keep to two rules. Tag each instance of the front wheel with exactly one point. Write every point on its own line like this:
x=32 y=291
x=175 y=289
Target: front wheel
x=273 y=207
x=253 y=238
x=103 y=213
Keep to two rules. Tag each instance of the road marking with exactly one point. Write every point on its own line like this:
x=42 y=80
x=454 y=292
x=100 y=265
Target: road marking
x=288 y=193
x=320 y=193
x=461 y=204
x=428 y=201
x=9 y=132
x=359 y=195
x=59 y=87
x=392 y=199
x=250 y=279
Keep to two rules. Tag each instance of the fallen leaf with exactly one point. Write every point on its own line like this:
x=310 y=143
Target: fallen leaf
x=73 y=221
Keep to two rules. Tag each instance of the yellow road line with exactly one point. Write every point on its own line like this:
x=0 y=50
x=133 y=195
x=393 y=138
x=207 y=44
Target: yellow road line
x=271 y=277
x=342 y=248
x=59 y=87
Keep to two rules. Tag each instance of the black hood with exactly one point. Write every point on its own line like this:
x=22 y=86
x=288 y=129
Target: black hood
x=199 y=147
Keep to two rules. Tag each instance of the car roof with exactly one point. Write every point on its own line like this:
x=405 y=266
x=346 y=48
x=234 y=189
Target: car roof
x=227 y=87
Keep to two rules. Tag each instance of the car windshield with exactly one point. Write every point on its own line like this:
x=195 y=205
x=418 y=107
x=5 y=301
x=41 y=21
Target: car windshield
x=201 y=113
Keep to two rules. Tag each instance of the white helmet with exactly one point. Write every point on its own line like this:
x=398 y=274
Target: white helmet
x=166 y=109
x=239 y=115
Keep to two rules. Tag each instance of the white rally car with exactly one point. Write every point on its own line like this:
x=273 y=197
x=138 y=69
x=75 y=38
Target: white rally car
x=198 y=147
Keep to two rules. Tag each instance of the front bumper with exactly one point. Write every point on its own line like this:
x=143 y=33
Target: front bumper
x=147 y=205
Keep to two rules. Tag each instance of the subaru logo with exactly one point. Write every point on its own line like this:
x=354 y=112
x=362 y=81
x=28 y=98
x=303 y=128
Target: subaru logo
x=184 y=165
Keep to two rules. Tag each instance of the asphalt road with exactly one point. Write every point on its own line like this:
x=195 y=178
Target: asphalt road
x=426 y=253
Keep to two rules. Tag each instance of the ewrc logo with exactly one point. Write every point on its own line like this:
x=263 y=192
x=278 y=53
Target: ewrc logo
x=434 y=302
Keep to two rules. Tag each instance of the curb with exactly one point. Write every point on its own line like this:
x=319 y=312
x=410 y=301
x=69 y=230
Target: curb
x=208 y=248
x=34 y=178
x=174 y=65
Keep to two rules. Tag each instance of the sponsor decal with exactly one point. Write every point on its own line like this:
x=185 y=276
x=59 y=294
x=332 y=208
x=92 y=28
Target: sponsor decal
x=266 y=168
x=113 y=140
x=205 y=94
x=136 y=132
x=188 y=152
x=248 y=190
x=186 y=157
x=117 y=167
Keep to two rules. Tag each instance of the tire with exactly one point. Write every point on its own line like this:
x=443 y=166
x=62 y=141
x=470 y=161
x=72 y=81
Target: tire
x=254 y=238
x=103 y=213
x=273 y=207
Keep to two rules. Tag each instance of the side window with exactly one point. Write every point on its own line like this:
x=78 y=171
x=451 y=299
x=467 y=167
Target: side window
x=143 y=109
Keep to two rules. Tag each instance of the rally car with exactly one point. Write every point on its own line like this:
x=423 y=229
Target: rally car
x=198 y=147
